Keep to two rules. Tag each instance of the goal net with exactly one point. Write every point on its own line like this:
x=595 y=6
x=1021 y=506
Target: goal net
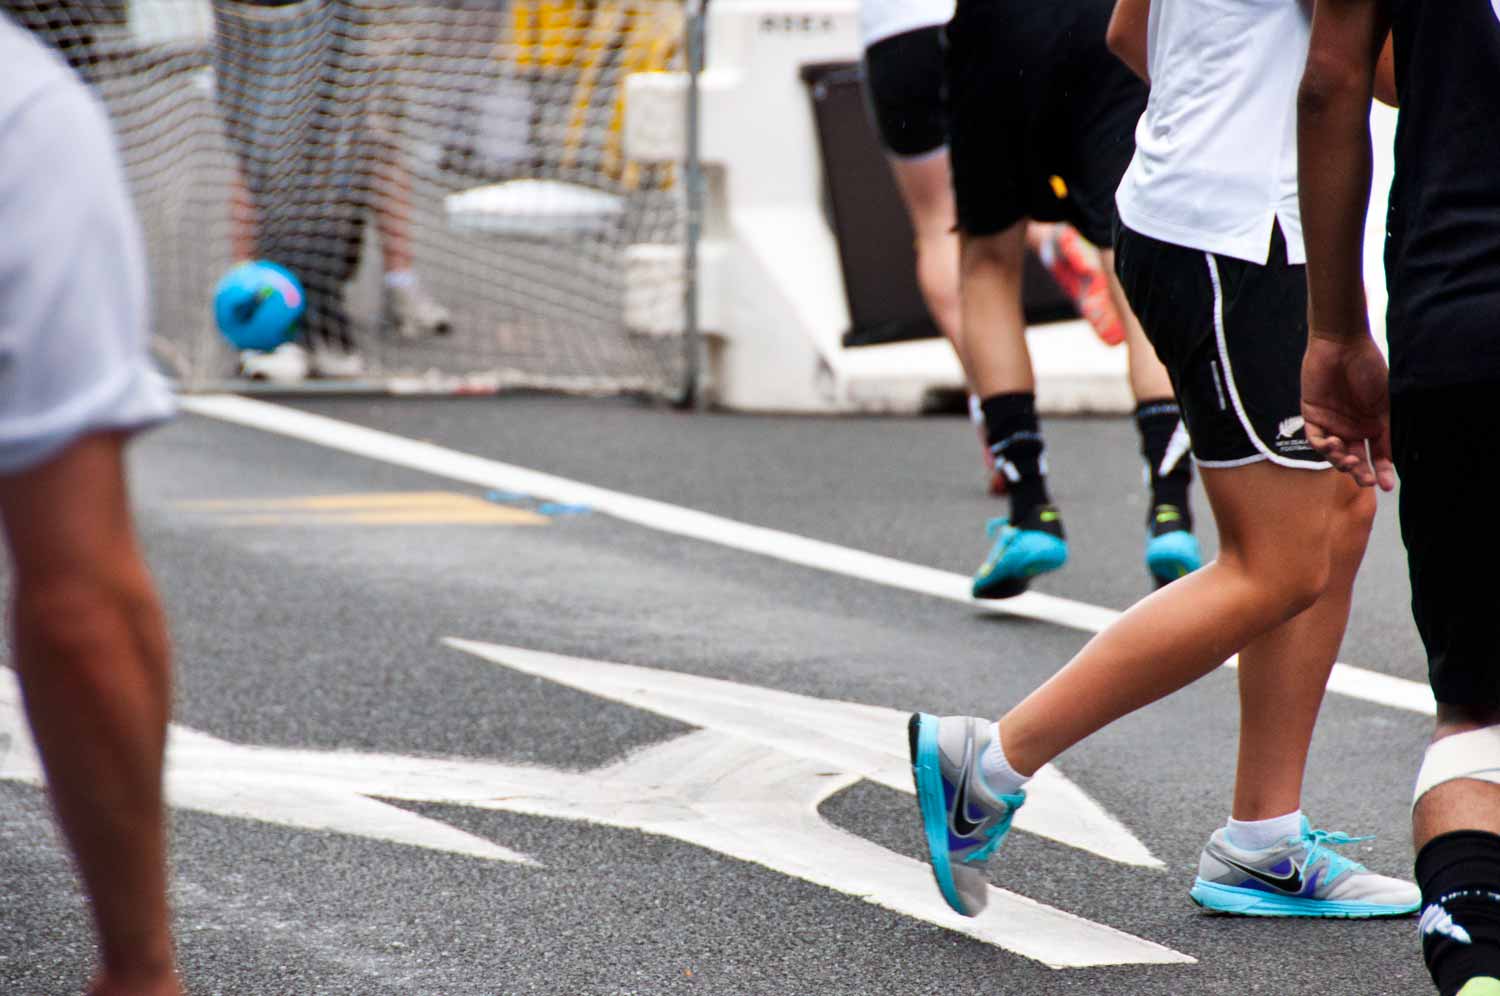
x=447 y=178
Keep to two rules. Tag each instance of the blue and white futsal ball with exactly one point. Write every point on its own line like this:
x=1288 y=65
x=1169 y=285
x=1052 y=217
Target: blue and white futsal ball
x=257 y=305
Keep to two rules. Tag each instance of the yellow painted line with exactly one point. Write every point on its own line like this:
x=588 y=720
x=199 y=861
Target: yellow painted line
x=413 y=517
x=391 y=499
x=401 y=508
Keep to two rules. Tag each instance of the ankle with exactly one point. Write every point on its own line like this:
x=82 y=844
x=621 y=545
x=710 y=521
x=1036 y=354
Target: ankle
x=1259 y=834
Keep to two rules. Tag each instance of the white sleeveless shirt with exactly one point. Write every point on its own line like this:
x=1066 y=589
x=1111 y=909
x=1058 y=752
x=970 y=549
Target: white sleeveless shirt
x=1215 y=164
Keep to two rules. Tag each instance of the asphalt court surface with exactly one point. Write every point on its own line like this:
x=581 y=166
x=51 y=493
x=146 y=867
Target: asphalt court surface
x=348 y=855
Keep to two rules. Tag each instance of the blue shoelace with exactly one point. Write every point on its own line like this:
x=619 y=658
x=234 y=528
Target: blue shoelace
x=1318 y=844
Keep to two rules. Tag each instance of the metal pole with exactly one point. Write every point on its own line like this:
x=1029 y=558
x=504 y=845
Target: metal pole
x=692 y=337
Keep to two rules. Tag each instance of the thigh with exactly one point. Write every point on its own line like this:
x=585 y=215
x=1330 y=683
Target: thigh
x=987 y=118
x=905 y=86
x=1447 y=498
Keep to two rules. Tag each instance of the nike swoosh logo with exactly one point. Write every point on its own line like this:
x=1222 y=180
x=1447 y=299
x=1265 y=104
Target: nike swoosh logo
x=959 y=819
x=1287 y=883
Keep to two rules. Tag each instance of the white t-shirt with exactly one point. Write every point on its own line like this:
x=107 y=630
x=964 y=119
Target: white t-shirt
x=73 y=342
x=881 y=19
x=1216 y=151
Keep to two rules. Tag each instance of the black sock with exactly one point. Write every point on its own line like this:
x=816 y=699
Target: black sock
x=1015 y=439
x=1157 y=422
x=1459 y=874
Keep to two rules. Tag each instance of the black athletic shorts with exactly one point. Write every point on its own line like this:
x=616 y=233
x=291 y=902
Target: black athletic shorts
x=905 y=85
x=1231 y=335
x=1042 y=115
x=1443 y=441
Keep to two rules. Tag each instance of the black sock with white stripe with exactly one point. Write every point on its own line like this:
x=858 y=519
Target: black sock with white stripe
x=1015 y=439
x=1170 y=467
x=1459 y=874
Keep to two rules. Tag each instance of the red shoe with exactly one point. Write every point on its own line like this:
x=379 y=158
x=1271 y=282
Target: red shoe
x=1076 y=269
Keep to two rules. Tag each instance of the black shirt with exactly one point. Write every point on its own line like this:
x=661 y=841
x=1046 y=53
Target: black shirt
x=1442 y=253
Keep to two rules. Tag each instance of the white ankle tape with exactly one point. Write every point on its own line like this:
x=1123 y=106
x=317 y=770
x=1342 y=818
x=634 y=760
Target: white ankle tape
x=1475 y=754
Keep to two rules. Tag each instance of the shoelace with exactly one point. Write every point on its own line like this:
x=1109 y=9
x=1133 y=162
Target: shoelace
x=1318 y=843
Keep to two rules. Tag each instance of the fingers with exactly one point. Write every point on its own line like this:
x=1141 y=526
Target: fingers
x=1380 y=456
x=1351 y=459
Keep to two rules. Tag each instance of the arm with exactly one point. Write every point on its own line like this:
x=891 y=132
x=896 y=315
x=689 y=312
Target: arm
x=1344 y=393
x=1385 y=76
x=1127 y=34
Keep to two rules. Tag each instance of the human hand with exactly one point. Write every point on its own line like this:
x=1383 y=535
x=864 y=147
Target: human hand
x=1346 y=404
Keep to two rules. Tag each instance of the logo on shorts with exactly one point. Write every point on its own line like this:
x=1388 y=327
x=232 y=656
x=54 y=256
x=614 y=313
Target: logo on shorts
x=1289 y=427
x=1496 y=5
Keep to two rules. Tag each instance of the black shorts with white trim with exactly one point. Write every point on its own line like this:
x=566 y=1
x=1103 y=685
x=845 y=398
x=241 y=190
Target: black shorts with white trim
x=1231 y=334
x=905 y=85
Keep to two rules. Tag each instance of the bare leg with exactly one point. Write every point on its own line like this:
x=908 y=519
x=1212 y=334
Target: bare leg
x=1284 y=673
x=241 y=220
x=1275 y=527
x=994 y=336
x=393 y=213
x=91 y=649
x=1148 y=378
x=1462 y=804
x=926 y=185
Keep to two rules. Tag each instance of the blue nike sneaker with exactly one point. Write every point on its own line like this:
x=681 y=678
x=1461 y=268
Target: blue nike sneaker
x=1033 y=546
x=1172 y=550
x=1300 y=876
x=963 y=821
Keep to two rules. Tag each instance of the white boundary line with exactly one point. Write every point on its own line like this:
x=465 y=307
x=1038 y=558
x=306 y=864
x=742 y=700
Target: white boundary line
x=1369 y=686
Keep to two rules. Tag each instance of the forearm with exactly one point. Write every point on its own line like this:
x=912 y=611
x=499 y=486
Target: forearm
x=1385 y=76
x=1334 y=170
x=1129 y=33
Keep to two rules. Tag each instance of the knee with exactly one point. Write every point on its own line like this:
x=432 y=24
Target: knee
x=1454 y=719
x=62 y=620
x=937 y=271
x=1305 y=582
x=1290 y=580
x=1356 y=517
x=1004 y=252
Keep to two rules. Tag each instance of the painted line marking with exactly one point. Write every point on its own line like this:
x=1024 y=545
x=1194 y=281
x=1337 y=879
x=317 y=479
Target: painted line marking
x=866 y=740
x=713 y=788
x=439 y=461
x=424 y=508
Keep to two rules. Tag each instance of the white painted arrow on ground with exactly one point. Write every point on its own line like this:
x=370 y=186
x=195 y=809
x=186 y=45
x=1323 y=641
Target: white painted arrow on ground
x=869 y=741
x=718 y=788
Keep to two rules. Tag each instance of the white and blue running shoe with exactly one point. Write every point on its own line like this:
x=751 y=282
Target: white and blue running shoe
x=1300 y=876
x=963 y=821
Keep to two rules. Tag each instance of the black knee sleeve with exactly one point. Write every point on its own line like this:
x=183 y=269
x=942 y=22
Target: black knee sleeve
x=1459 y=874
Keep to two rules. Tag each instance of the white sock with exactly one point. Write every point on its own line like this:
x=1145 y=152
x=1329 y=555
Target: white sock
x=401 y=278
x=996 y=770
x=1046 y=252
x=976 y=412
x=1257 y=835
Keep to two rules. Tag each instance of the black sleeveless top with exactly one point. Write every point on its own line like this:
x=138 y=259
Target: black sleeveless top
x=1442 y=252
